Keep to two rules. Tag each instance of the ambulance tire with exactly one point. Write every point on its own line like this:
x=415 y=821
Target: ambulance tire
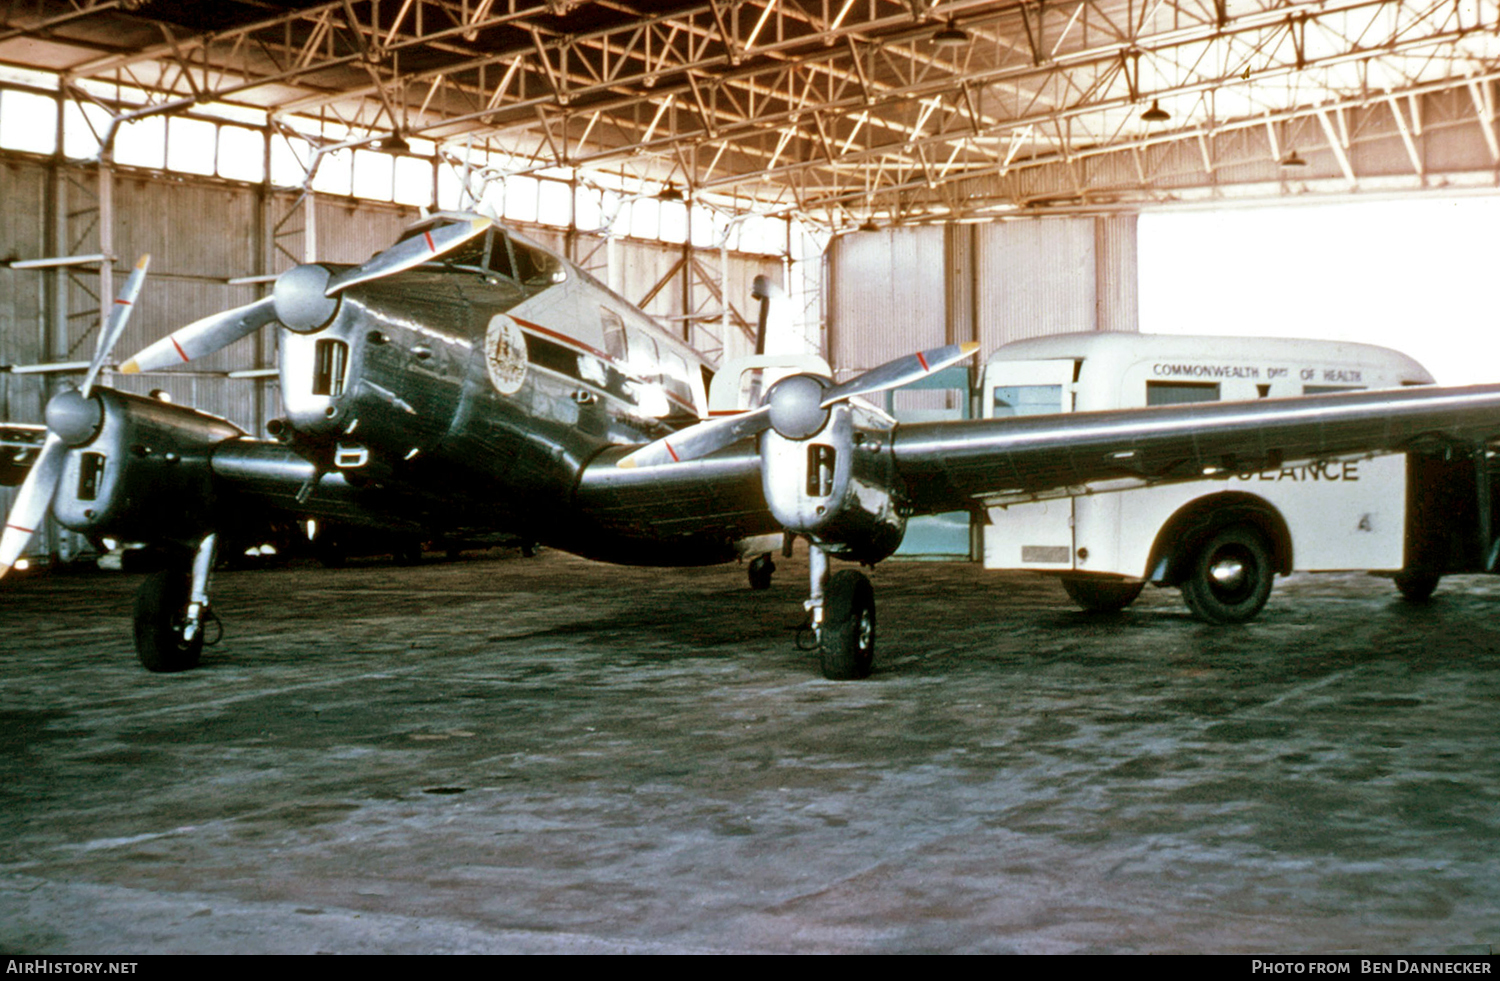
x=1101 y=595
x=1417 y=587
x=1230 y=576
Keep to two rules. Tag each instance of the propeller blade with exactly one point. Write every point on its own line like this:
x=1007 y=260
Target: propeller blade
x=699 y=440
x=212 y=333
x=409 y=253
x=902 y=371
x=124 y=304
x=32 y=501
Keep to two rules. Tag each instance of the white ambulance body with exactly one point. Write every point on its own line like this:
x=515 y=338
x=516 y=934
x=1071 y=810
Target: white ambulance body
x=1222 y=540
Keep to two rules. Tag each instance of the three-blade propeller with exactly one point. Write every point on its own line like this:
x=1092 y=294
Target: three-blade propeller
x=35 y=494
x=297 y=292
x=714 y=434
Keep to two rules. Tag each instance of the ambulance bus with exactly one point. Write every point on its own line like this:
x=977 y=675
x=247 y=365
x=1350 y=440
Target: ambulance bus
x=1413 y=516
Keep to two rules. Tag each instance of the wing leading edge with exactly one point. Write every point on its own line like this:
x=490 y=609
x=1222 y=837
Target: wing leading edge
x=953 y=465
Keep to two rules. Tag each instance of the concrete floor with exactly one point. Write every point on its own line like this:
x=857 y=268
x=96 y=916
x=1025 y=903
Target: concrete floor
x=500 y=754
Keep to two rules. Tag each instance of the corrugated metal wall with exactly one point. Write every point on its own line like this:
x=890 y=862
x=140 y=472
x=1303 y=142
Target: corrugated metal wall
x=904 y=289
x=887 y=296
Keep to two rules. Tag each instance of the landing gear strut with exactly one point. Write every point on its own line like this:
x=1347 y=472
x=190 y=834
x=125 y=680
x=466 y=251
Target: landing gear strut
x=843 y=617
x=171 y=612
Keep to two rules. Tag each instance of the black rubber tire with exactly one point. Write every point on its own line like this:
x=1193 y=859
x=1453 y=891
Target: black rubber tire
x=1417 y=587
x=1231 y=576
x=1102 y=595
x=846 y=644
x=760 y=571
x=160 y=603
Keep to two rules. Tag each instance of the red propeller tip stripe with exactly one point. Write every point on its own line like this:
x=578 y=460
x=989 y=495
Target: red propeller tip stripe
x=430 y=246
x=19 y=528
x=922 y=361
x=675 y=458
x=180 y=352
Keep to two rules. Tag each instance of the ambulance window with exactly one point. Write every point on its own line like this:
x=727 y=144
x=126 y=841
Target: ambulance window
x=1325 y=389
x=1026 y=400
x=1180 y=393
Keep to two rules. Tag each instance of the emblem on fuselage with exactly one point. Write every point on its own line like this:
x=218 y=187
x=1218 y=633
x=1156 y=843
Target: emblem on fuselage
x=505 y=354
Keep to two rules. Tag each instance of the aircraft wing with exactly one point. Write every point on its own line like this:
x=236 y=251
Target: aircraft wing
x=987 y=462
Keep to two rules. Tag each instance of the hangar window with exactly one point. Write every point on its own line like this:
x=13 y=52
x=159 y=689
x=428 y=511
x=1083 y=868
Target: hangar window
x=190 y=145
x=142 y=143
x=28 y=121
x=241 y=154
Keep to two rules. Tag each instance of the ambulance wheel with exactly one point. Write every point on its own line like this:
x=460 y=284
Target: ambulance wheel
x=160 y=611
x=1101 y=595
x=761 y=569
x=1230 y=578
x=846 y=644
x=1417 y=587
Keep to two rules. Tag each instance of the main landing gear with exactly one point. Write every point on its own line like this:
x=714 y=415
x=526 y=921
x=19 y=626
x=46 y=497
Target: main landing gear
x=843 y=619
x=172 y=613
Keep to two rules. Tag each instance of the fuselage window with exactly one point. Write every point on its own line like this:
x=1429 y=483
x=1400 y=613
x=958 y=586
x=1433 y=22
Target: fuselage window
x=614 y=335
x=674 y=375
x=642 y=358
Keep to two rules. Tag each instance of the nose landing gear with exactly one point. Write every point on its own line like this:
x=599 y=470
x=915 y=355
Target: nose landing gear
x=843 y=616
x=172 y=613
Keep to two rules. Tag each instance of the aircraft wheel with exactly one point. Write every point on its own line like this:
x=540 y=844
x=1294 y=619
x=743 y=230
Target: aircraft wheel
x=1416 y=586
x=1101 y=595
x=761 y=568
x=846 y=644
x=160 y=608
x=1231 y=576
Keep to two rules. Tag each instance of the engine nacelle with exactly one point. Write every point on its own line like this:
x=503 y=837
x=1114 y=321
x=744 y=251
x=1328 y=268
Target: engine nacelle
x=144 y=475
x=836 y=487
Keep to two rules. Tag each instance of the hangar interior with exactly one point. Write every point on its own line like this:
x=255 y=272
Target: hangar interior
x=910 y=173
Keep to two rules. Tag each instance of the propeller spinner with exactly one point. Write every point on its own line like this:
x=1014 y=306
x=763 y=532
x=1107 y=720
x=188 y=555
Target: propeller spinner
x=796 y=407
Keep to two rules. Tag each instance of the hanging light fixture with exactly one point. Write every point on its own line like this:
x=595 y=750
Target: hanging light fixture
x=1293 y=159
x=395 y=143
x=669 y=193
x=950 y=35
x=1156 y=114
x=869 y=226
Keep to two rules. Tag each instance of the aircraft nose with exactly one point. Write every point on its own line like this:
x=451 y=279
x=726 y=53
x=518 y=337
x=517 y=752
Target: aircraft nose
x=301 y=299
x=73 y=417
